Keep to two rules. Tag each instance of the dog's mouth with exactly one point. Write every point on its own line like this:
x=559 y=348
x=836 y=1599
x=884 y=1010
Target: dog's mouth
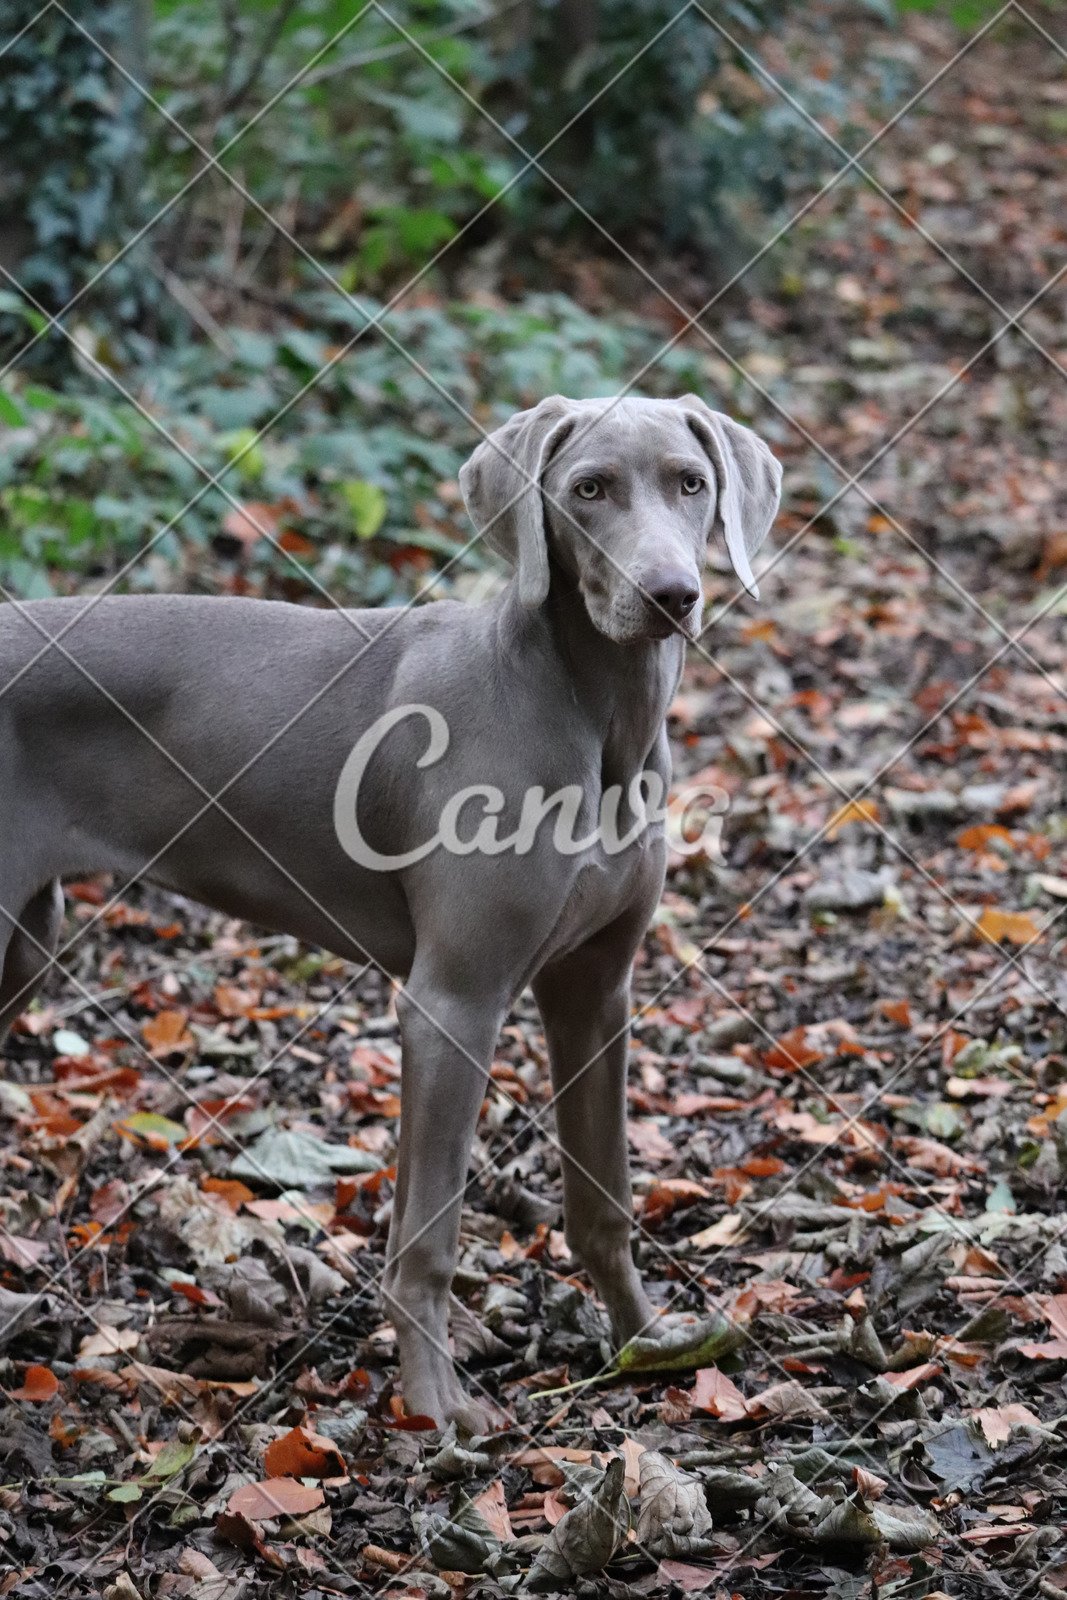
x=660 y=626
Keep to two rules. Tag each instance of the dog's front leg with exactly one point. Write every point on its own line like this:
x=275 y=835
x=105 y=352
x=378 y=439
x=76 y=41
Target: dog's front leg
x=585 y=1006
x=447 y=1043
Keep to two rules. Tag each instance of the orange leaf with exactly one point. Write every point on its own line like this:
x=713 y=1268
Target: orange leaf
x=716 y=1394
x=914 y=1376
x=230 y=1001
x=792 y=1052
x=232 y=1190
x=763 y=1167
x=303 y=1454
x=1016 y=927
x=898 y=1011
x=852 y=811
x=668 y=1194
x=410 y=1422
x=166 y=1031
x=275 y=1497
x=978 y=837
x=38 y=1383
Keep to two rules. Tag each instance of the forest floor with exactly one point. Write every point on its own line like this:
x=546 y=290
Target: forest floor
x=848 y=1094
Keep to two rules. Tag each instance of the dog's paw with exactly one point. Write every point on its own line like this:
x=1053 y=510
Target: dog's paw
x=451 y=1406
x=680 y=1342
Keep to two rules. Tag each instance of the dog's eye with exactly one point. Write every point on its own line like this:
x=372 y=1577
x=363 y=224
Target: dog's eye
x=587 y=489
x=692 y=483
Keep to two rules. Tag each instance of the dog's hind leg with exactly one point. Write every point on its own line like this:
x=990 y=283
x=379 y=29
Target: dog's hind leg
x=30 y=948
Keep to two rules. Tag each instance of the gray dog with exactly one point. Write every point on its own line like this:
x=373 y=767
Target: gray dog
x=275 y=762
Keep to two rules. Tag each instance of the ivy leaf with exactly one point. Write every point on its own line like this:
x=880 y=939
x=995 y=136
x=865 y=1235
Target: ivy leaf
x=368 y=506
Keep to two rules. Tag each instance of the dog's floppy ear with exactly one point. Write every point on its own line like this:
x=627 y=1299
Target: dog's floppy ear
x=501 y=486
x=749 y=483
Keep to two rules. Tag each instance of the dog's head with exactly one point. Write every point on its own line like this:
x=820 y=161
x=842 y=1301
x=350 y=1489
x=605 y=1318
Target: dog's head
x=625 y=495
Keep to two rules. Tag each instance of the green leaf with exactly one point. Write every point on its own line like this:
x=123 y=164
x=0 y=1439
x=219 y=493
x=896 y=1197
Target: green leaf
x=126 y=1493
x=10 y=413
x=152 y=1126
x=367 y=504
x=244 y=454
x=174 y=1457
x=681 y=1349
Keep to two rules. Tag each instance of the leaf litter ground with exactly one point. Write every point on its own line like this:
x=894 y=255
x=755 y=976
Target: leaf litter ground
x=848 y=1085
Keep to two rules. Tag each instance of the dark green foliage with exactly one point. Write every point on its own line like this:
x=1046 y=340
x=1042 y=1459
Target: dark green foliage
x=668 y=136
x=71 y=135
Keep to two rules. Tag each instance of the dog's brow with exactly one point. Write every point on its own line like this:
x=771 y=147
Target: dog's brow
x=592 y=467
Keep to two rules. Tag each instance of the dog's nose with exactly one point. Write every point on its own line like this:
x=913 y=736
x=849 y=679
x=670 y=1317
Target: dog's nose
x=674 y=593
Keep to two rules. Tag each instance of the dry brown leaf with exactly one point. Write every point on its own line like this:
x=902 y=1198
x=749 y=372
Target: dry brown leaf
x=493 y=1510
x=167 y=1032
x=718 y=1395
x=107 y=1342
x=274 y=1497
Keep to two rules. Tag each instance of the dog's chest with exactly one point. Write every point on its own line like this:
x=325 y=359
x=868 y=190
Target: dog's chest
x=604 y=888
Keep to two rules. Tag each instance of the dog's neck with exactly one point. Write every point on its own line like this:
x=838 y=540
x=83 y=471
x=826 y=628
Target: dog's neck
x=624 y=690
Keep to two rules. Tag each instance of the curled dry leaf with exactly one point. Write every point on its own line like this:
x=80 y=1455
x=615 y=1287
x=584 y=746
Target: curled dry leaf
x=587 y=1537
x=1011 y=927
x=673 y=1518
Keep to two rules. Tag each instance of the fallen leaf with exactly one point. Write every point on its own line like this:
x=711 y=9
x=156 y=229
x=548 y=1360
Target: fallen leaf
x=1014 y=927
x=38 y=1384
x=108 y=1342
x=718 y=1395
x=1050 y=1350
x=792 y=1052
x=852 y=811
x=166 y=1032
x=586 y=1538
x=673 y=1518
x=274 y=1497
x=669 y=1194
x=151 y=1129
x=300 y=1453
x=494 y=1510
x=996 y=1422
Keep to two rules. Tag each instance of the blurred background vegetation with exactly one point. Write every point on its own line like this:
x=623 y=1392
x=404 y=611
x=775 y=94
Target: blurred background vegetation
x=308 y=255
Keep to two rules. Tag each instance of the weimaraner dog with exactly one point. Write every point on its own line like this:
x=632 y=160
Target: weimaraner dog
x=267 y=760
